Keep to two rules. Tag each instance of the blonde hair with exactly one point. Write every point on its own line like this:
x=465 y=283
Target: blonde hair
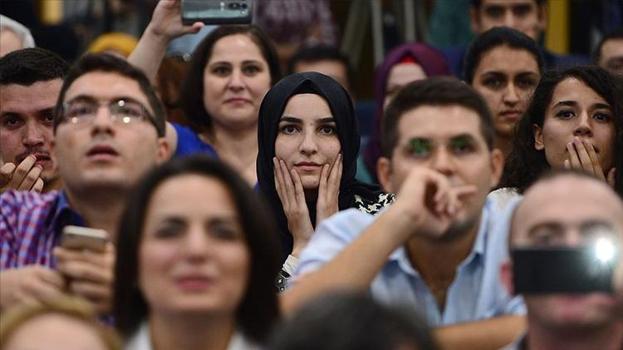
x=76 y=309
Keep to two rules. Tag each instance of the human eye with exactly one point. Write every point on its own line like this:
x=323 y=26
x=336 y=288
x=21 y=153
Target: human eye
x=547 y=236
x=327 y=130
x=12 y=121
x=527 y=83
x=494 y=12
x=127 y=110
x=419 y=148
x=220 y=70
x=251 y=69
x=462 y=145
x=565 y=114
x=288 y=129
x=169 y=229
x=603 y=117
x=224 y=230
x=80 y=109
x=522 y=10
x=494 y=82
x=47 y=116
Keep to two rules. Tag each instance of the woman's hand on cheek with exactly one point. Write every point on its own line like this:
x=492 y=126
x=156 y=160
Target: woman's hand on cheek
x=290 y=191
x=329 y=190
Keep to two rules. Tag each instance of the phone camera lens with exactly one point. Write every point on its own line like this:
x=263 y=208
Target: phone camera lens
x=243 y=6
x=234 y=5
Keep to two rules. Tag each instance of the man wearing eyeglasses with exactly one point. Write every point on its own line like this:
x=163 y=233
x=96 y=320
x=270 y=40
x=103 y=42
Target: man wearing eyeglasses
x=108 y=131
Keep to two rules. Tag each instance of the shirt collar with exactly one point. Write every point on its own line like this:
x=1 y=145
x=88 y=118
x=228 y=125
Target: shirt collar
x=64 y=214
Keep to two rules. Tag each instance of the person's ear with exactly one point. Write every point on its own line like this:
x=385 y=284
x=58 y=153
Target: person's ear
x=384 y=174
x=163 y=153
x=506 y=276
x=538 y=137
x=474 y=17
x=497 y=166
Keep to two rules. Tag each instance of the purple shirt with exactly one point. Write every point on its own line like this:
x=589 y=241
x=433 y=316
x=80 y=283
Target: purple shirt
x=31 y=225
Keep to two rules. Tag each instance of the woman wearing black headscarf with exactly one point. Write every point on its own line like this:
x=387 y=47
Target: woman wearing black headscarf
x=308 y=146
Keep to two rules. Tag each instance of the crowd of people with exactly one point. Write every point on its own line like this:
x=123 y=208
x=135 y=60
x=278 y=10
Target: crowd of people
x=243 y=208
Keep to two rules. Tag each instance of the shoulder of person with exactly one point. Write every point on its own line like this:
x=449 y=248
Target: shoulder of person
x=26 y=200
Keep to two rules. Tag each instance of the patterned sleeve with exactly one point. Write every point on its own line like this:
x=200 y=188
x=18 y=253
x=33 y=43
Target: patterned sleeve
x=8 y=223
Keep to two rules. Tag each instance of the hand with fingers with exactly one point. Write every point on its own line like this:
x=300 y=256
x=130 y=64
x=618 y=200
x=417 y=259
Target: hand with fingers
x=582 y=156
x=89 y=274
x=290 y=191
x=430 y=202
x=166 y=21
x=329 y=190
x=24 y=177
x=32 y=284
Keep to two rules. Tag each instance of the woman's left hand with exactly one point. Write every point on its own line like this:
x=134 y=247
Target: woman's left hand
x=329 y=189
x=582 y=156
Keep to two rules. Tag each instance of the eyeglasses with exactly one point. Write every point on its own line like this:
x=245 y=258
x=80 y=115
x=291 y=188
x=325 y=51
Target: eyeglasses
x=82 y=111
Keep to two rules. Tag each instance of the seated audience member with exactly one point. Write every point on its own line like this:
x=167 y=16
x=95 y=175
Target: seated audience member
x=117 y=43
x=504 y=66
x=65 y=323
x=30 y=80
x=609 y=52
x=526 y=16
x=230 y=72
x=352 y=322
x=438 y=248
x=196 y=261
x=574 y=121
x=403 y=64
x=13 y=36
x=308 y=146
x=551 y=216
x=108 y=130
x=327 y=60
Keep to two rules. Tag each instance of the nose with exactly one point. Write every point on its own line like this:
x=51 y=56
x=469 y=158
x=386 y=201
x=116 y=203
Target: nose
x=583 y=127
x=509 y=19
x=308 y=144
x=236 y=80
x=510 y=94
x=196 y=245
x=33 y=135
x=442 y=161
x=102 y=122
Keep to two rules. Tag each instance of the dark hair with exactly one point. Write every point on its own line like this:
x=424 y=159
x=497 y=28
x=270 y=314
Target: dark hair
x=614 y=35
x=346 y=321
x=525 y=163
x=29 y=66
x=259 y=308
x=436 y=91
x=110 y=64
x=321 y=53
x=193 y=89
x=496 y=37
x=477 y=3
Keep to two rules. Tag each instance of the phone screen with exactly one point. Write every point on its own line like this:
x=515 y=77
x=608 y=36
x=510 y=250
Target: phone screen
x=561 y=270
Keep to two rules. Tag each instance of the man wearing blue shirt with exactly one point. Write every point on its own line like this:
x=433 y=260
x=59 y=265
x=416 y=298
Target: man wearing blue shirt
x=438 y=249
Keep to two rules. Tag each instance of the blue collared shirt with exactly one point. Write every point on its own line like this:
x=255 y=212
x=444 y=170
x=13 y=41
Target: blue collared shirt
x=476 y=293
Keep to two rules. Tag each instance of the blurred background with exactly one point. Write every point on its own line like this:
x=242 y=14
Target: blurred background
x=364 y=29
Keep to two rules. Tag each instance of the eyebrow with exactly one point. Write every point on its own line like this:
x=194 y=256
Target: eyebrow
x=461 y=137
x=549 y=225
x=574 y=104
x=292 y=119
x=229 y=62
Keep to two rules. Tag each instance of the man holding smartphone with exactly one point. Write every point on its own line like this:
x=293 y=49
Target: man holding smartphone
x=574 y=222
x=108 y=131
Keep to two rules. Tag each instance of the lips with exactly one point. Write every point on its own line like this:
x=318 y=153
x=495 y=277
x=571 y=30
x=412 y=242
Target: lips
x=194 y=283
x=42 y=157
x=512 y=114
x=237 y=100
x=307 y=166
x=102 y=152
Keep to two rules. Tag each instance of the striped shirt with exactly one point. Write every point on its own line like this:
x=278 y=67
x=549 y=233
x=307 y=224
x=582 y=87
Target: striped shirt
x=31 y=225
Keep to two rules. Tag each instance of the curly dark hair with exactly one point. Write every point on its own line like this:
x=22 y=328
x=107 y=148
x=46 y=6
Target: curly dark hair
x=525 y=163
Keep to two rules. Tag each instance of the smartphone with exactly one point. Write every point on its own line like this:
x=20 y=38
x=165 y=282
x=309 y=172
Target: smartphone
x=76 y=237
x=562 y=270
x=217 y=11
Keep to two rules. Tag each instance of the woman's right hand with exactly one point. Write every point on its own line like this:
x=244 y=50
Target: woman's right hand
x=290 y=190
x=166 y=21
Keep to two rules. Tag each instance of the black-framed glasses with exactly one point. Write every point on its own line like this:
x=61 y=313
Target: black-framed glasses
x=83 y=110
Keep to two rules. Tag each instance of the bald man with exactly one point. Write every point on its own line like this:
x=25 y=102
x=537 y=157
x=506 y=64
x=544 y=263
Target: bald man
x=569 y=209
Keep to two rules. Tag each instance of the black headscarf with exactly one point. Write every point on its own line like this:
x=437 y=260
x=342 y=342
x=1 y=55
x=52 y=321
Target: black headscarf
x=341 y=107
